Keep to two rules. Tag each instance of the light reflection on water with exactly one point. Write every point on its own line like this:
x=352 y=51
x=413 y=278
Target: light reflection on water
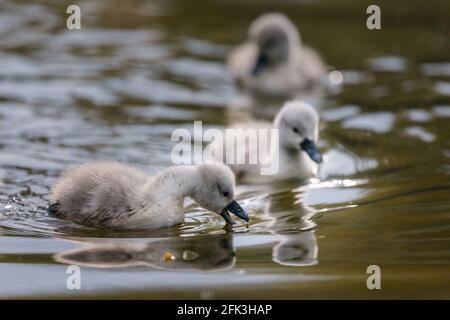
x=116 y=90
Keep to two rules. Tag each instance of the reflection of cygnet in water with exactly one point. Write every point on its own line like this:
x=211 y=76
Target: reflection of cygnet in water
x=273 y=61
x=299 y=249
x=114 y=196
x=204 y=253
x=293 y=155
x=292 y=224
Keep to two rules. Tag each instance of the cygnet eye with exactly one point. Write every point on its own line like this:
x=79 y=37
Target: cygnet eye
x=295 y=129
x=225 y=194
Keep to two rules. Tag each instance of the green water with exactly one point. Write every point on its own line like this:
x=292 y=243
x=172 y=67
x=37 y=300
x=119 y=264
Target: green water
x=140 y=69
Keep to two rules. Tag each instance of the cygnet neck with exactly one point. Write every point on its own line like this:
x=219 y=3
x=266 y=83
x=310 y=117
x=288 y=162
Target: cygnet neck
x=179 y=181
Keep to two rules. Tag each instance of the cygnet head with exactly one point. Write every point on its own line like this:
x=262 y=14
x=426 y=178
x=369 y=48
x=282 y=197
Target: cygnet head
x=275 y=35
x=215 y=191
x=298 y=124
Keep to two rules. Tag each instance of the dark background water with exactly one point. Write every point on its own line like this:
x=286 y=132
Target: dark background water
x=140 y=69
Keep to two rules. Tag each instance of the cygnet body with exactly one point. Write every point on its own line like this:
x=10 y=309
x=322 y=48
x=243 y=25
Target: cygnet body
x=273 y=62
x=295 y=151
x=115 y=196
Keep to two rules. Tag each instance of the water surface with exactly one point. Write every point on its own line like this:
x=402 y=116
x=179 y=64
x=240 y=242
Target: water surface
x=140 y=69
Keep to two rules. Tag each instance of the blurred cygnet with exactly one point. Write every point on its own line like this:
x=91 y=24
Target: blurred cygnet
x=294 y=154
x=273 y=62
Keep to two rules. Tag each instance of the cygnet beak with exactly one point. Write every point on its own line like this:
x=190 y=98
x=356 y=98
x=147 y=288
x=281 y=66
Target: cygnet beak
x=235 y=209
x=311 y=149
x=260 y=64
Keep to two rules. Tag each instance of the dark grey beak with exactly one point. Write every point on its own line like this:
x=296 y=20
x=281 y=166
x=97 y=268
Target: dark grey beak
x=260 y=64
x=311 y=149
x=235 y=209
